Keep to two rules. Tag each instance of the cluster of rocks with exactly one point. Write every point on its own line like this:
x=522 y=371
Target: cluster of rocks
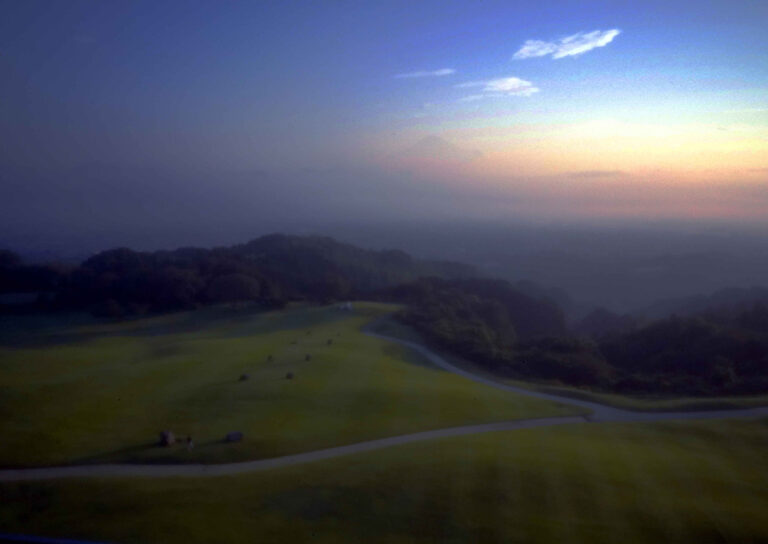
x=167 y=438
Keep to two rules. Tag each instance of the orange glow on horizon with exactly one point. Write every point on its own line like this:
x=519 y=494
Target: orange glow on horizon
x=687 y=152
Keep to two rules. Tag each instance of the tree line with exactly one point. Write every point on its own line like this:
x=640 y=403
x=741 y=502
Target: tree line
x=269 y=271
x=518 y=336
x=494 y=323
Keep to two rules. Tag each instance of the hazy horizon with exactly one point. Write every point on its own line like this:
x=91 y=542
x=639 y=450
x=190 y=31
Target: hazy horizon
x=492 y=135
x=135 y=120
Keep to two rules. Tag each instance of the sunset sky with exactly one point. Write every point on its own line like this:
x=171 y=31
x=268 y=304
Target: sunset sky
x=573 y=108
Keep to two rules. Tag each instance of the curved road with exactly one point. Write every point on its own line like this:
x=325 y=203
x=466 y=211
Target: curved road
x=600 y=413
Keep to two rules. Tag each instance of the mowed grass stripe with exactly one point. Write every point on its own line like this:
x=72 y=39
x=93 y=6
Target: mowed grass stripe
x=495 y=487
x=649 y=492
x=590 y=496
x=702 y=464
x=366 y=369
x=323 y=372
x=715 y=477
x=574 y=488
x=616 y=468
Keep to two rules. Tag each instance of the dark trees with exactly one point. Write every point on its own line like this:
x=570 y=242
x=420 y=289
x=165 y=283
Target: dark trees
x=269 y=271
x=516 y=335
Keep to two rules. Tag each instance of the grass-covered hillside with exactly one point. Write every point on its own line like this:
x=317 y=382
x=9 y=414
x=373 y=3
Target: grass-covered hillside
x=103 y=392
x=632 y=483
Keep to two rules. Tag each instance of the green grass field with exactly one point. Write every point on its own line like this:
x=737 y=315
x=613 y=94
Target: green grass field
x=585 y=483
x=101 y=392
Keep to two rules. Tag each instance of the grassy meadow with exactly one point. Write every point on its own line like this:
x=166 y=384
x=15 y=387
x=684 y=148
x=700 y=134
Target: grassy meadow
x=94 y=392
x=686 y=482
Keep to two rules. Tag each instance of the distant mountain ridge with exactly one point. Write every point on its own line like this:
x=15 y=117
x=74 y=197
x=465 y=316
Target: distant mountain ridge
x=730 y=300
x=271 y=270
x=368 y=269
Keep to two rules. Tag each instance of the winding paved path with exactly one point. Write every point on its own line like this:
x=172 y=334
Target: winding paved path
x=600 y=413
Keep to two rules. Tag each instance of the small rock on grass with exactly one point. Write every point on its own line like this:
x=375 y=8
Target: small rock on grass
x=167 y=438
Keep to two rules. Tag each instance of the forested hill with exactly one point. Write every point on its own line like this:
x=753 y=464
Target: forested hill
x=364 y=269
x=512 y=332
x=731 y=301
x=270 y=270
x=515 y=335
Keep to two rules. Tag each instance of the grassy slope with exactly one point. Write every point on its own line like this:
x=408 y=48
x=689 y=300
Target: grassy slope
x=101 y=393
x=652 y=404
x=640 y=403
x=590 y=483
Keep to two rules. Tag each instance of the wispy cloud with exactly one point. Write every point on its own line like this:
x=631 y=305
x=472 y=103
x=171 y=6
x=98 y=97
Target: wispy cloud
x=569 y=46
x=505 y=86
x=535 y=48
x=427 y=73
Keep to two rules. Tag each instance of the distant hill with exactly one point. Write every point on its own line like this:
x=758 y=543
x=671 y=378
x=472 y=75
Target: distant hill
x=729 y=301
x=500 y=328
x=483 y=302
x=516 y=335
x=300 y=258
x=270 y=270
x=601 y=322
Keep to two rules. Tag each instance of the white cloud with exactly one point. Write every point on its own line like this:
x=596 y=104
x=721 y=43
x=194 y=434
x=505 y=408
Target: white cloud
x=432 y=73
x=570 y=46
x=505 y=86
x=535 y=48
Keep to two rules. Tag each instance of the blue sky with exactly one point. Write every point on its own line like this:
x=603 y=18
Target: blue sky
x=285 y=86
x=311 y=69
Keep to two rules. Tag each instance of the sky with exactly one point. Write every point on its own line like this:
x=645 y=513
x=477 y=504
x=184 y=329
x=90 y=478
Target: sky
x=176 y=122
